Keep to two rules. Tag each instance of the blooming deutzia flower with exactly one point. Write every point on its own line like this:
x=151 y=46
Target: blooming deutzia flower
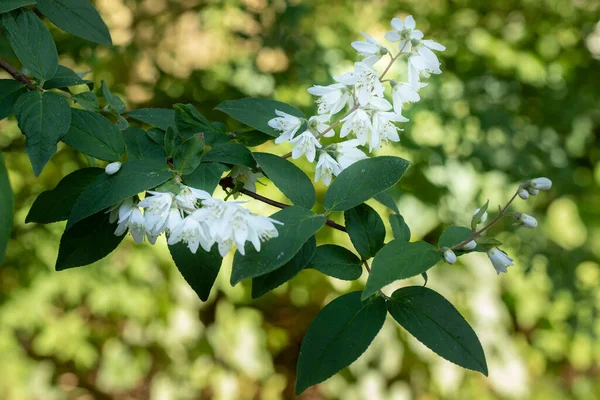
x=500 y=260
x=306 y=144
x=404 y=32
x=358 y=122
x=327 y=167
x=246 y=176
x=120 y=209
x=156 y=211
x=261 y=229
x=131 y=219
x=287 y=124
x=191 y=232
x=420 y=67
x=403 y=93
x=332 y=98
x=174 y=219
x=370 y=49
x=188 y=197
x=318 y=124
x=365 y=80
x=382 y=127
x=347 y=153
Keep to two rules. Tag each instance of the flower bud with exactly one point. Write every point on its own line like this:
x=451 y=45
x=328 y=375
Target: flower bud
x=526 y=220
x=532 y=191
x=541 y=183
x=524 y=194
x=484 y=216
x=113 y=168
x=449 y=256
x=414 y=42
x=469 y=246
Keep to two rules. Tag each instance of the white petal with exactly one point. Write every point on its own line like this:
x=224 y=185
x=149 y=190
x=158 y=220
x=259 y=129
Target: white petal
x=416 y=34
x=392 y=36
x=409 y=22
x=397 y=24
x=434 y=45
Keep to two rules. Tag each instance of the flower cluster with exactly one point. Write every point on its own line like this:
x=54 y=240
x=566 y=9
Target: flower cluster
x=193 y=217
x=369 y=117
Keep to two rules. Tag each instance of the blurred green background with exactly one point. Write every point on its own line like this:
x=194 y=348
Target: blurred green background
x=519 y=98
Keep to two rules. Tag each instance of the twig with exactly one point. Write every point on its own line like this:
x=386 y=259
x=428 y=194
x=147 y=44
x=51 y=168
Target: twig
x=366 y=264
x=17 y=75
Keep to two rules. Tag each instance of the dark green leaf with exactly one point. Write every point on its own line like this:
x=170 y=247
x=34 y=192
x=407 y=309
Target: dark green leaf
x=206 y=177
x=400 y=260
x=134 y=177
x=288 y=178
x=261 y=285
x=159 y=117
x=477 y=217
x=78 y=17
x=172 y=141
x=230 y=153
x=338 y=335
x=363 y=180
x=114 y=102
x=10 y=91
x=299 y=226
x=336 y=261
x=6 y=209
x=122 y=123
x=252 y=138
x=190 y=121
x=200 y=270
x=141 y=147
x=94 y=135
x=9 y=5
x=31 y=42
x=399 y=228
x=157 y=136
x=56 y=204
x=434 y=321
x=256 y=113
x=454 y=235
x=366 y=230
x=88 y=241
x=387 y=200
x=44 y=118
x=189 y=154
x=64 y=77
x=87 y=100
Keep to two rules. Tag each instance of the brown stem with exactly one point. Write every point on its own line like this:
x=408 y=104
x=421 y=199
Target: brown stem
x=366 y=264
x=17 y=75
x=228 y=182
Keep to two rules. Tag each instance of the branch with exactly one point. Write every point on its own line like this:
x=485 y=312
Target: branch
x=17 y=75
x=227 y=182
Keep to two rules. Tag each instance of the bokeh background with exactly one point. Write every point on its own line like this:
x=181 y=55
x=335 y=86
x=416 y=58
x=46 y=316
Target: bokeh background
x=519 y=98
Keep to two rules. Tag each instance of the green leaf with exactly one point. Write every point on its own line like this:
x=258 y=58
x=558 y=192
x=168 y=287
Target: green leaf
x=159 y=117
x=363 y=180
x=172 y=141
x=93 y=134
x=477 y=217
x=366 y=230
x=387 y=200
x=157 y=136
x=261 y=285
x=7 y=209
x=256 y=113
x=114 y=102
x=134 y=177
x=230 y=153
x=399 y=228
x=122 y=123
x=434 y=321
x=64 y=77
x=87 y=100
x=31 y=42
x=454 y=235
x=141 y=147
x=338 y=335
x=9 y=5
x=44 y=118
x=88 y=241
x=190 y=121
x=336 y=261
x=206 y=177
x=56 y=204
x=299 y=226
x=189 y=154
x=252 y=138
x=78 y=17
x=288 y=178
x=10 y=91
x=400 y=260
x=199 y=270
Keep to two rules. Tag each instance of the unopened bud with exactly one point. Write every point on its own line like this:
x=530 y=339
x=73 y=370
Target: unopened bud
x=113 y=168
x=414 y=42
x=469 y=246
x=484 y=216
x=524 y=194
x=532 y=191
x=541 y=183
x=526 y=220
x=449 y=256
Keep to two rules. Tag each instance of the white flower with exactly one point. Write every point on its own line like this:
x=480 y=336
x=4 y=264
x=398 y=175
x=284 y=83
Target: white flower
x=526 y=220
x=327 y=167
x=500 y=260
x=193 y=233
x=245 y=175
x=470 y=245
x=541 y=183
x=420 y=67
x=533 y=191
x=156 y=211
x=404 y=32
x=131 y=218
x=333 y=98
x=449 y=256
x=484 y=216
x=365 y=80
x=306 y=143
x=358 y=122
x=523 y=193
x=382 y=128
x=371 y=49
x=317 y=124
x=261 y=229
x=347 y=153
x=188 y=197
x=287 y=124
x=113 y=168
x=174 y=219
x=403 y=93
